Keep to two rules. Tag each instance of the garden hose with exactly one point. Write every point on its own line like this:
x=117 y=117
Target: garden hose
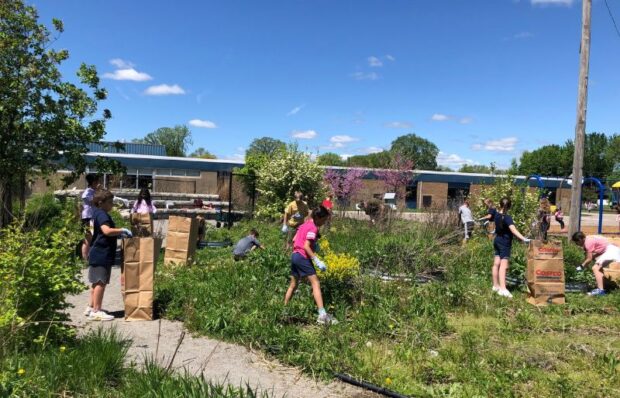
x=369 y=386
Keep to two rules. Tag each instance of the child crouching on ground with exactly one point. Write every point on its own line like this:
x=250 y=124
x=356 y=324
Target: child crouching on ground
x=599 y=250
x=505 y=230
x=246 y=245
x=102 y=253
x=303 y=258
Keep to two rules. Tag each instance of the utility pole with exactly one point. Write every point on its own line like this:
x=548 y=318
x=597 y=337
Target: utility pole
x=580 y=127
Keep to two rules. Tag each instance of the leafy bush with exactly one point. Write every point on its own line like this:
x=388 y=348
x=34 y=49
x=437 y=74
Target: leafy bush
x=38 y=271
x=525 y=201
x=42 y=211
x=281 y=176
x=340 y=267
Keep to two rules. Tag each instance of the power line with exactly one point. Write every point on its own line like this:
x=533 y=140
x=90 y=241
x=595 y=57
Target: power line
x=611 y=15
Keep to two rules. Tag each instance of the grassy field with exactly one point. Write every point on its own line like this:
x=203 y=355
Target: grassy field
x=93 y=366
x=452 y=337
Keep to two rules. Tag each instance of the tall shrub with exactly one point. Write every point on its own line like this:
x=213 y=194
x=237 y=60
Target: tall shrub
x=279 y=177
x=37 y=272
x=525 y=201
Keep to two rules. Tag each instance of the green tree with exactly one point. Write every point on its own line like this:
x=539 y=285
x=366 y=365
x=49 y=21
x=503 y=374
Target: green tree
x=613 y=157
x=265 y=146
x=176 y=139
x=548 y=160
x=280 y=176
x=379 y=160
x=600 y=155
x=45 y=122
x=420 y=151
x=203 y=154
x=475 y=168
x=330 y=159
x=260 y=151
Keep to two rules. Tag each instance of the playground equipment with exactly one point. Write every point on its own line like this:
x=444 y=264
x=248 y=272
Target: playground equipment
x=615 y=194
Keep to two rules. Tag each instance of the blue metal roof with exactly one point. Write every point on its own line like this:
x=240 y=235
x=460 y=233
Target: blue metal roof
x=162 y=162
x=129 y=148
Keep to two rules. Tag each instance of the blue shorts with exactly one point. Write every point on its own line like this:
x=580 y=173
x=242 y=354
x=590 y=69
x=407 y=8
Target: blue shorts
x=502 y=250
x=301 y=266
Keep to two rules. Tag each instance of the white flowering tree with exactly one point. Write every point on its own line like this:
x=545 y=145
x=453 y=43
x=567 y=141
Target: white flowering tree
x=282 y=175
x=525 y=201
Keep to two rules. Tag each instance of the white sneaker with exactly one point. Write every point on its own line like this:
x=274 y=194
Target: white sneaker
x=88 y=310
x=505 y=293
x=326 y=319
x=496 y=289
x=100 y=316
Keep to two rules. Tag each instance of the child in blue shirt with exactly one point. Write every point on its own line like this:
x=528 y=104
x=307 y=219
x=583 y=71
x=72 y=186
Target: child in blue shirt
x=102 y=253
x=505 y=230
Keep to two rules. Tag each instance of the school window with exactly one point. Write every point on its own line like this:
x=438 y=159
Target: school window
x=427 y=200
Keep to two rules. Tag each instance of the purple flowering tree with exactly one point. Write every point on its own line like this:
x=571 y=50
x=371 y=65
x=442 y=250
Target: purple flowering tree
x=344 y=184
x=398 y=176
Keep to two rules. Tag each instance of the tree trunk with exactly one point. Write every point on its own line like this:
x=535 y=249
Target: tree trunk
x=6 y=203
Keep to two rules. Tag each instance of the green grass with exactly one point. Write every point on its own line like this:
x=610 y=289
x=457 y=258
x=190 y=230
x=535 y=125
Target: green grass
x=448 y=338
x=94 y=366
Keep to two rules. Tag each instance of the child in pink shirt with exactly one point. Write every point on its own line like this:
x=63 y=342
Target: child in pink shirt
x=304 y=259
x=599 y=250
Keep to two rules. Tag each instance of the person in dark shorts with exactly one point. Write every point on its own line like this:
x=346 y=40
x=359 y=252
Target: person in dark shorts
x=505 y=230
x=246 y=245
x=102 y=253
x=304 y=259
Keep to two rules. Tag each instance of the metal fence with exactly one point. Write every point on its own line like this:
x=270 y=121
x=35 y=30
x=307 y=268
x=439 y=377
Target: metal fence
x=239 y=191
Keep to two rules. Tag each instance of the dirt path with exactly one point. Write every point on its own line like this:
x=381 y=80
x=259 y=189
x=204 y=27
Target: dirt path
x=218 y=361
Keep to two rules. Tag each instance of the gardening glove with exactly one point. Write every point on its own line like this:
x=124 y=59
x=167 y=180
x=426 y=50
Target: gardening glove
x=284 y=228
x=319 y=264
x=125 y=233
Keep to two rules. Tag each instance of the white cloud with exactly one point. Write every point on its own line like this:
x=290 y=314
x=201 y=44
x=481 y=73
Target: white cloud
x=371 y=149
x=552 y=2
x=295 y=110
x=121 y=63
x=304 y=134
x=466 y=120
x=507 y=144
x=342 y=139
x=365 y=76
x=374 y=62
x=164 y=89
x=206 y=124
x=440 y=117
x=127 y=74
x=452 y=160
x=345 y=156
x=390 y=58
x=398 y=125
x=523 y=35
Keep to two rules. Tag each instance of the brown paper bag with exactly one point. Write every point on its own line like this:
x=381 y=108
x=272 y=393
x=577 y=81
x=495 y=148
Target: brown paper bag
x=141 y=224
x=181 y=240
x=612 y=275
x=545 y=273
x=140 y=257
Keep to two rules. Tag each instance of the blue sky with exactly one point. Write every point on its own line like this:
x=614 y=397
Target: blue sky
x=482 y=79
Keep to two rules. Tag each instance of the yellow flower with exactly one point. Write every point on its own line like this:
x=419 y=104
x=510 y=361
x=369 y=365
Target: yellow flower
x=388 y=381
x=21 y=371
x=63 y=348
